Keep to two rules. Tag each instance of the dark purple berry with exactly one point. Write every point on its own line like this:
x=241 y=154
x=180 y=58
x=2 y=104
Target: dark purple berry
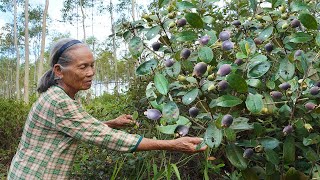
x=298 y=53
x=193 y=111
x=287 y=130
x=317 y=84
x=169 y=62
x=285 y=86
x=227 y=45
x=236 y=23
x=226 y=120
x=222 y=85
x=204 y=40
x=314 y=90
x=276 y=94
x=238 y=62
x=257 y=41
x=182 y=130
x=199 y=69
x=268 y=47
x=181 y=22
x=153 y=114
x=248 y=153
x=310 y=106
x=185 y=53
x=295 y=23
x=224 y=69
x=224 y=35
x=156 y=46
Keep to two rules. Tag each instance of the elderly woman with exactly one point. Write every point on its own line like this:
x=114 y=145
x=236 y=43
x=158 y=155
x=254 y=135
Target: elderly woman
x=57 y=122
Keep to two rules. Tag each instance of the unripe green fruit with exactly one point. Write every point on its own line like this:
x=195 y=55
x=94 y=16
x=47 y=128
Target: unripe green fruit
x=285 y=16
x=285 y=86
x=258 y=17
x=226 y=120
x=170 y=8
x=295 y=23
x=211 y=87
x=282 y=9
x=287 y=130
x=310 y=106
x=156 y=46
x=285 y=26
x=171 y=25
x=172 y=15
x=193 y=112
x=181 y=130
x=314 y=90
x=181 y=78
x=211 y=77
x=185 y=53
x=268 y=47
x=199 y=69
x=276 y=94
x=248 y=153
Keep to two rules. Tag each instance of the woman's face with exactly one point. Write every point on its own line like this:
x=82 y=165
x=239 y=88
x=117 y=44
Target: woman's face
x=78 y=75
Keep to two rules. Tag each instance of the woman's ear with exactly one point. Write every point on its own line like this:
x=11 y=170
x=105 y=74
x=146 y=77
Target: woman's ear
x=58 y=71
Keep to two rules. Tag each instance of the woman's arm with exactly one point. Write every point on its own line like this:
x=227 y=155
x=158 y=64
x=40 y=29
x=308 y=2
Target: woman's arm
x=183 y=144
x=121 y=122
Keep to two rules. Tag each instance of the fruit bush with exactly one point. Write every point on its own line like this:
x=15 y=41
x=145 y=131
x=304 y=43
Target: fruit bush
x=244 y=76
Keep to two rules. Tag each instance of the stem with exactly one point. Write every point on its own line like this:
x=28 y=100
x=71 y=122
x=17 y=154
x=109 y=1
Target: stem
x=161 y=25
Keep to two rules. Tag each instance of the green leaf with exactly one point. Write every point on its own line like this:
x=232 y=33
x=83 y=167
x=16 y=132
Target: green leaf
x=276 y=3
x=289 y=150
x=174 y=70
x=293 y=174
x=269 y=142
x=225 y=101
x=194 y=20
x=135 y=115
x=304 y=63
x=253 y=5
x=266 y=33
x=170 y=110
x=205 y=54
x=190 y=96
x=308 y=21
x=135 y=46
x=162 y=3
x=213 y=136
x=299 y=6
x=259 y=57
x=169 y=129
x=240 y=55
x=243 y=48
x=185 y=5
x=191 y=80
x=249 y=174
x=241 y=124
x=254 y=103
x=237 y=83
x=254 y=83
x=258 y=68
x=311 y=139
x=300 y=37
x=161 y=83
x=272 y=156
x=285 y=110
x=153 y=32
x=175 y=168
x=146 y=67
x=286 y=69
x=234 y=155
x=186 y=36
x=318 y=39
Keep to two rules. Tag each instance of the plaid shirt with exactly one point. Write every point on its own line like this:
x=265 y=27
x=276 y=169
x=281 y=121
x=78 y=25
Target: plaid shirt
x=49 y=141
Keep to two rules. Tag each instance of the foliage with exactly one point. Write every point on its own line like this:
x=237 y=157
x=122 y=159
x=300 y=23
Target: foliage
x=12 y=118
x=282 y=131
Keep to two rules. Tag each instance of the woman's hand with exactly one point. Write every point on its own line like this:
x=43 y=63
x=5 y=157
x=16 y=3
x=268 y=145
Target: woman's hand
x=188 y=145
x=122 y=122
x=183 y=144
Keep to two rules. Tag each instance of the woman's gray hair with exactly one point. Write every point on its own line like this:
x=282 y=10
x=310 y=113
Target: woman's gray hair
x=60 y=54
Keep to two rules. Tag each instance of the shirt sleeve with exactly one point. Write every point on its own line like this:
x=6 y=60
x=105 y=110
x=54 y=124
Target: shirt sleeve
x=74 y=121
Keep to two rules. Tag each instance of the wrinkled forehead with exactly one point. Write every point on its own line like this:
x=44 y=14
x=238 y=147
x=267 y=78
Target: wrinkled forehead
x=81 y=53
